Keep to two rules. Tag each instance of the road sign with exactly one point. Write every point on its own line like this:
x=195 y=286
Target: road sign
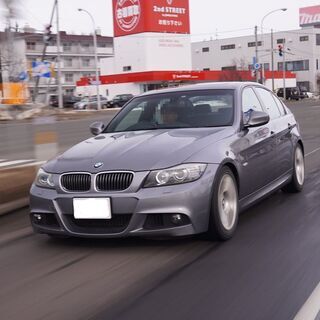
x=257 y=66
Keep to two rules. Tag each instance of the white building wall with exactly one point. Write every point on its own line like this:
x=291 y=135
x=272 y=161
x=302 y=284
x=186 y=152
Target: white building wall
x=149 y=52
x=242 y=55
x=111 y=90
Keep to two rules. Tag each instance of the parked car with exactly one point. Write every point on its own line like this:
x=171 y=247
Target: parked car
x=291 y=93
x=68 y=101
x=167 y=166
x=91 y=103
x=120 y=100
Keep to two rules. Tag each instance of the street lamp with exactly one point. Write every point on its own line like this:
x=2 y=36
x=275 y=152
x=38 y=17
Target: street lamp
x=262 y=21
x=97 y=82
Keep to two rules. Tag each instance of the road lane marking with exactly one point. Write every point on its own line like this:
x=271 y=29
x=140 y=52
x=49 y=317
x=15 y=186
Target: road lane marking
x=310 y=310
x=312 y=152
x=15 y=163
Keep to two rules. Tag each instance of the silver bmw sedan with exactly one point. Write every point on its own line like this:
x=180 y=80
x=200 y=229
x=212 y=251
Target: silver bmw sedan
x=174 y=162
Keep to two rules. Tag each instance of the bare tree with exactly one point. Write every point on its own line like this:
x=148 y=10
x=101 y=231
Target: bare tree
x=241 y=63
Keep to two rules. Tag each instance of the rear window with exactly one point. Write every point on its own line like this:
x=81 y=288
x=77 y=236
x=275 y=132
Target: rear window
x=186 y=109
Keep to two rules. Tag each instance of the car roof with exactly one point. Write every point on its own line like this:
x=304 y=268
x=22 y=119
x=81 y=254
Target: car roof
x=206 y=86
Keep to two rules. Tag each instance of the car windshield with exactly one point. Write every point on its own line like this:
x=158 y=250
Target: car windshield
x=184 y=109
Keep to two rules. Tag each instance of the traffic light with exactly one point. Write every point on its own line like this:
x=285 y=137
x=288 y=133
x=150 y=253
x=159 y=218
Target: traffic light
x=280 y=50
x=47 y=37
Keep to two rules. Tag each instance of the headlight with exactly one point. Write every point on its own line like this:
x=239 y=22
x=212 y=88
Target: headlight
x=44 y=179
x=177 y=175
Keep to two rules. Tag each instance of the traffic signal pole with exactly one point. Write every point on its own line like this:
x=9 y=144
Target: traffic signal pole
x=272 y=60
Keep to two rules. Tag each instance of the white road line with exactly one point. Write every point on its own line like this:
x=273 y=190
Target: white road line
x=14 y=163
x=311 y=308
x=38 y=163
x=2 y=160
x=312 y=152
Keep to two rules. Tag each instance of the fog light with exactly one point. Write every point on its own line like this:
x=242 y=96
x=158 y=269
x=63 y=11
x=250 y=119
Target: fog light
x=177 y=219
x=37 y=217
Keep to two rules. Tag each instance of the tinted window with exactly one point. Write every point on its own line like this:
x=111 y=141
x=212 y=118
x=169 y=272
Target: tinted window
x=188 y=109
x=268 y=101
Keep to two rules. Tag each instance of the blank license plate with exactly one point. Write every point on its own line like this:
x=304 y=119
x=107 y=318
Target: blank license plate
x=92 y=208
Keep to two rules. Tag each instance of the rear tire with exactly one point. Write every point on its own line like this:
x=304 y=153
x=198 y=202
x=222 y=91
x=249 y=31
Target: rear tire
x=298 y=175
x=224 y=213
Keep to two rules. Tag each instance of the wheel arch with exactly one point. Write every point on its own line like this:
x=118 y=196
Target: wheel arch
x=299 y=142
x=234 y=170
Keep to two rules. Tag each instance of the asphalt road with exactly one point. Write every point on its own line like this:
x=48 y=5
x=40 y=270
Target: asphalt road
x=267 y=271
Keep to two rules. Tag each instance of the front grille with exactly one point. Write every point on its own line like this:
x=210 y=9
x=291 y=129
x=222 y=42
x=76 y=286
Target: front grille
x=117 y=224
x=76 y=182
x=114 y=181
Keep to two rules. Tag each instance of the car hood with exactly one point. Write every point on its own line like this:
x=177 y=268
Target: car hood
x=136 y=151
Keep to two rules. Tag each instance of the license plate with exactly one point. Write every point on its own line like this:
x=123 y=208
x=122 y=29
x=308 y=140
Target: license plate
x=92 y=208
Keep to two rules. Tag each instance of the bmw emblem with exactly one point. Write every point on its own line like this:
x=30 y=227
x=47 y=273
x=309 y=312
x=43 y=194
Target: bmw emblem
x=98 y=165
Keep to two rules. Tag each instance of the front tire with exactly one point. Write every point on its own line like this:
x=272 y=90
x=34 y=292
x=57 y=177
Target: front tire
x=298 y=175
x=224 y=213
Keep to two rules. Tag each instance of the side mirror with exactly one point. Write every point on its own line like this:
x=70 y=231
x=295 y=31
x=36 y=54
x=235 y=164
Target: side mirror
x=97 y=127
x=256 y=119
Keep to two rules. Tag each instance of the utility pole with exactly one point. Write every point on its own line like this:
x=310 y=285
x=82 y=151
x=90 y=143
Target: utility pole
x=59 y=59
x=35 y=93
x=272 y=60
x=257 y=58
x=96 y=61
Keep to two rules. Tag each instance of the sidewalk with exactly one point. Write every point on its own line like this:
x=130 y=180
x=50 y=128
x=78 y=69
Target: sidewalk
x=29 y=112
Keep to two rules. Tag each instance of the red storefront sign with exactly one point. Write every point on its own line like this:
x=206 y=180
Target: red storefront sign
x=137 y=16
x=309 y=16
x=183 y=76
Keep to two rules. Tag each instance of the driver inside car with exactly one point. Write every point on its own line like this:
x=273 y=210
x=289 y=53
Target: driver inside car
x=169 y=114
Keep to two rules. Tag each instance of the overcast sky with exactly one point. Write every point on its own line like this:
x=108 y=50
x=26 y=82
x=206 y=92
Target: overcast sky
x=209 y=18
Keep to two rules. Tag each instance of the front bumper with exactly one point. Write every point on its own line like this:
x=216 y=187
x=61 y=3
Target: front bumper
x=135 y=212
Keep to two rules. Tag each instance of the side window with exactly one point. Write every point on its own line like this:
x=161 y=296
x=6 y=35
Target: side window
x=269 y=103
x=280 y=105
x=250 y=101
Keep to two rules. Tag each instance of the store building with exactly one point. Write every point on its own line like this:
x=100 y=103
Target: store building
x=302 y=51
x=152 y=49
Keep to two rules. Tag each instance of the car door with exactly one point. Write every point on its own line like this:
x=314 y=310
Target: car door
x=256 y=149
x=285 y=123
x=281 y=131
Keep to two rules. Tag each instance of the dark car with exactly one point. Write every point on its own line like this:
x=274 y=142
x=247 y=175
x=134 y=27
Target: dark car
x=291 y=93
x=303 y=93
x=174 y=162
x=68 y=101
x=120 y=100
